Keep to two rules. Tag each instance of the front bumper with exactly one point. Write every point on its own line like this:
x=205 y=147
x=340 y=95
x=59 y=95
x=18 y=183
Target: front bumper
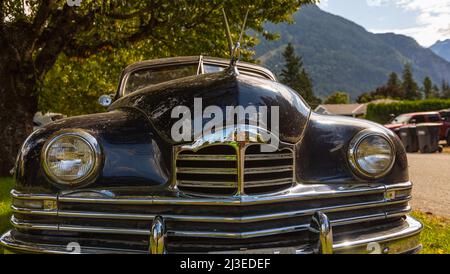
x=359 y=219
x=391 y=241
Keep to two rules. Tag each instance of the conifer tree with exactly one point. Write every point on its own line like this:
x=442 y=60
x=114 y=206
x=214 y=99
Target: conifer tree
x=295 y=76
x=409 y=86
x=428 y=88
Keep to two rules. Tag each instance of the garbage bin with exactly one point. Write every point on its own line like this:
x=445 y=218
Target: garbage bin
x=428 y=137
x=408 y=135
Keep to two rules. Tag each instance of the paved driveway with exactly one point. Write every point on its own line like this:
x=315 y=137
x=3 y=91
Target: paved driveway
x=430 y=174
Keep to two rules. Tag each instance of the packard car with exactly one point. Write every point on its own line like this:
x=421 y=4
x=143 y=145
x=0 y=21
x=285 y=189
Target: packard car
x=118 y=182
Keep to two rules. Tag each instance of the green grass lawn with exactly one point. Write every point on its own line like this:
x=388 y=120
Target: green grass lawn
x=435 y=236
x=5 y=202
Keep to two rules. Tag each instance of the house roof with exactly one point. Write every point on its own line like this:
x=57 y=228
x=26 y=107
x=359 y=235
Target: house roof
x=342 y=109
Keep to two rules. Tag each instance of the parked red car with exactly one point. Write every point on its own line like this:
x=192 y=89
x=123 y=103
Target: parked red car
x=442 y=117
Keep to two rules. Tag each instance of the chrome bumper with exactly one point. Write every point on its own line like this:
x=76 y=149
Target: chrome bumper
x=405 y=240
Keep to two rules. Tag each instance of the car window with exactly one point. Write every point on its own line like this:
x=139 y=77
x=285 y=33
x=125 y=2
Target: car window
x=401 y=119
x=419 y=119
x=434 y=118
x=155 y=75
x=445 y=115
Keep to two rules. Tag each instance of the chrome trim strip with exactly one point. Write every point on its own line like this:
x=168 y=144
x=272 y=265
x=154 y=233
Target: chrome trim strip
x=273 y=182
x=228 y=201
x=203 y=170
x=30 y=211
x=199 y=157
x=208 y=234
x=28 y=196
x=414 y=228
x=238 y=235
x=339 y=191
x=33 y=226
x=274 y=156
x=206 y=184
x=71 y=228
x=219 y=219
x=273 y=169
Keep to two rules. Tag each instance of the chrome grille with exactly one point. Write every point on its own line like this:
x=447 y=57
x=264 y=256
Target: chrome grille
x=210 y=170
x=267 y=171
x=215 y=170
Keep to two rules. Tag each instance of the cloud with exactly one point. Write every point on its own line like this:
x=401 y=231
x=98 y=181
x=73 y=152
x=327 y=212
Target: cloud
x=377 y=3
x=432 y=20
x=323 y=4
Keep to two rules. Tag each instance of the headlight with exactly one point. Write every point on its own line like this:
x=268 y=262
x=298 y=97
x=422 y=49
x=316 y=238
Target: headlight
x=71 y=157
x=371 y=154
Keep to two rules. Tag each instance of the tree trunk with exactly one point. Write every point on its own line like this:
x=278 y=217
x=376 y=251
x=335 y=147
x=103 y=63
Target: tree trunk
x=18 y=103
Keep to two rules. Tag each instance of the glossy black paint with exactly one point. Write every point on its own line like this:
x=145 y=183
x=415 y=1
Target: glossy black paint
x=322 y=155
x=135 y=135
x=221 y=89
x=134 y=155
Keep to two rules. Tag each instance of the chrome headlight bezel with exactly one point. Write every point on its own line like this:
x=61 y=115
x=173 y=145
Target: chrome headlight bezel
x=353 y=148
x=93 y=145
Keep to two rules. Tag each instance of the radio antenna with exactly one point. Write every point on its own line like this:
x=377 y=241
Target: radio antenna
x=235 y=50
x=227 y=29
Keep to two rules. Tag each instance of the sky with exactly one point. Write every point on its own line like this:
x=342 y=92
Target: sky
x=425 y=20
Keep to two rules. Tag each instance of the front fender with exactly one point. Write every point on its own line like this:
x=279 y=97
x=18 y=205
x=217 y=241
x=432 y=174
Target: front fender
x=322 y=154
x=134 y=155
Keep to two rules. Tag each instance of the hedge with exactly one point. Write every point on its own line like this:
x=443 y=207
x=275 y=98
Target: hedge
x=380 y=113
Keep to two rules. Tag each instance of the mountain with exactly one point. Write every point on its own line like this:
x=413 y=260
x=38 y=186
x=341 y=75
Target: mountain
x=442 y=48
x=341 y=55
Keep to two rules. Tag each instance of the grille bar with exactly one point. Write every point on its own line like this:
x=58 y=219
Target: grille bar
x=200 y=157
x=275 y=169
x=261 y=157
x=188 y=183
x=274 y=182
x=220 y=219
x=206 y=170
x=206 y=234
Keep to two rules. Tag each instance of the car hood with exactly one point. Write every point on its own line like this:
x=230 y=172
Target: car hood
x=393 y=126
x=223 y=89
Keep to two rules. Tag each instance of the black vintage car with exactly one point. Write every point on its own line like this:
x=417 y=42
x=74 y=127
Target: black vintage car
x=117 y=182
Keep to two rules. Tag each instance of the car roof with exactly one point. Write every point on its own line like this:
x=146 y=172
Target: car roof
x=196 y=59
x=421 y=113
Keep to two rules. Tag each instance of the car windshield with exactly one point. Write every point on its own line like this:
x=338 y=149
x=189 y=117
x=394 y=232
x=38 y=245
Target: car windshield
x=401 y=119
x=155 y=75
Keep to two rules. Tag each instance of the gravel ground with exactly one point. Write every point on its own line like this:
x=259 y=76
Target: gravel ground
x=430 y=174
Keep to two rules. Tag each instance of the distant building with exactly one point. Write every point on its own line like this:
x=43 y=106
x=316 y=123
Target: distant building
x=351 y=110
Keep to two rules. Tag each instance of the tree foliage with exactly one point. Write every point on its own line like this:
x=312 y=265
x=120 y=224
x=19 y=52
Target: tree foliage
x=428 y=88
x=381 y=113
x=338 y=97
x=295 y=76
x=409 y=86
x=71 y=54
x=405 y=89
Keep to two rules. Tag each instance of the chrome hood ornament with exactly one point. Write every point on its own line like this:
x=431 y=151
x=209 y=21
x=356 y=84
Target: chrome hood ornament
x=237 y=135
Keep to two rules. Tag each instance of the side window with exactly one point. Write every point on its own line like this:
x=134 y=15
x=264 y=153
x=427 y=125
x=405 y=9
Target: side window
x=434 y=118
x=419 y=119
